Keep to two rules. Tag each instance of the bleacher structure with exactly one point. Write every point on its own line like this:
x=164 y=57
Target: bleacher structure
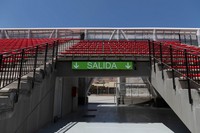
x=108 y=48
x=31 y=48
x=22 y=51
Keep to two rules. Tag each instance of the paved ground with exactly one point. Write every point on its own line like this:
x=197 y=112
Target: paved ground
x=85 y=127
x=101 y=99
x=129 y=100
x=110 y=115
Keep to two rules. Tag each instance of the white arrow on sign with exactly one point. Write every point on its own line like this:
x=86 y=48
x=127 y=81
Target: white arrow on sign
x=128 y=66
x=76 y=65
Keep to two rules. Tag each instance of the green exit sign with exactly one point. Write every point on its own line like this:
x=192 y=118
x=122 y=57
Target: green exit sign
x=102 y=65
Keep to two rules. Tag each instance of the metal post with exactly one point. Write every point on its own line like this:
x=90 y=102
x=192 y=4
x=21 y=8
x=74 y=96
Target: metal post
x=172 y=67
x=154 y=60
x=53 y=52
x=150 y=62
x=179 y=37
x=35 y=65
x=185 y=39
x=20 y=74
x=97 y=90
x=161 y=60
x=57 y=43
x=1 y=67
x=188 y=80
x=45 y=57
x=8 y=65
x=198 y=41
x=191 y=39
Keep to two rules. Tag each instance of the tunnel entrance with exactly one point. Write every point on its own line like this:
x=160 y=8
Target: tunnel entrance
x=130 y=91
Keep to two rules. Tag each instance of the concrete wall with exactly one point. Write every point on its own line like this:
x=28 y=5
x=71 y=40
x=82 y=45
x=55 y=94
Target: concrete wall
x=51 y=97
x=64 y=103
x=33 y=110
x=69 y=103
x=178 y=100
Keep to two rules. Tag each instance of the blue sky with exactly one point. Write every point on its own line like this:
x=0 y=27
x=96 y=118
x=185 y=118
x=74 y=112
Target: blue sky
x=99 y=13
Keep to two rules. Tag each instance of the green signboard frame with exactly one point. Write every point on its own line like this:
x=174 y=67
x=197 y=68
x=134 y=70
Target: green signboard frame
x=102 y=65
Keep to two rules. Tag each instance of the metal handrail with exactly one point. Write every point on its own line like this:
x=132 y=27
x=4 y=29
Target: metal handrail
x=175 y=58
x=17 y=63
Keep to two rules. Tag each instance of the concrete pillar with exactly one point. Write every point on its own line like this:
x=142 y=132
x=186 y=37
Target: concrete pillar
x=69 y=103
x=58 y=98
x=84 y=85
x=82 y=89
x=120 y=92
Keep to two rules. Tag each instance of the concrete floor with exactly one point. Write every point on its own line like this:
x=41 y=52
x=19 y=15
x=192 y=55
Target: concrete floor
x=101 y=99
x=115 y=128
x=162 y=120
x=112 y=99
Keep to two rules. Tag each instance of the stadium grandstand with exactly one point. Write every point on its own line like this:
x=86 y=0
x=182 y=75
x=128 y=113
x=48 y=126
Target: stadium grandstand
x=45 y=73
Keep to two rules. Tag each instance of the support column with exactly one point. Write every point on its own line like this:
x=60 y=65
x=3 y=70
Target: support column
x=82 y=97
x=121 y=90
x=58 y=98
x=68 y=102
x=84 y=85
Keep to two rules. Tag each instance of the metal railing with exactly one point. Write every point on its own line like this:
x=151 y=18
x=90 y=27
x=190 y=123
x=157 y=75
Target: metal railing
x=181 y=62
x=15 y=64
